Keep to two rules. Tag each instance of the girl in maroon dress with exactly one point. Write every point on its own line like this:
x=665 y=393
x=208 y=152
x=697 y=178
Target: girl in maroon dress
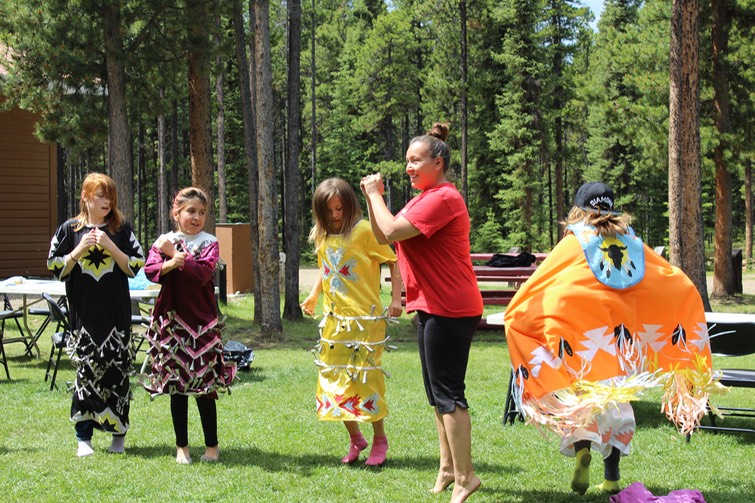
x=185 y=343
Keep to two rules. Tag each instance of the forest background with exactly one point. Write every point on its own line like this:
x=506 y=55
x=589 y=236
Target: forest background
x=259 y=101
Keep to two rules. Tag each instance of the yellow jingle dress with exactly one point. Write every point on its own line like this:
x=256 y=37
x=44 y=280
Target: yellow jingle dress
x=351 y=384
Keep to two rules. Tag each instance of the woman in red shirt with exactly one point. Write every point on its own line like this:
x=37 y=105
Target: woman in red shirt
x=432 y=243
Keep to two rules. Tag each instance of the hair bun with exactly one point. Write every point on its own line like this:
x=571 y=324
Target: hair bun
x=439 y=130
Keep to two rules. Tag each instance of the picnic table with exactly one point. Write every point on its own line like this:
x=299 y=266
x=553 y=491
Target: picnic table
x=503 y=281
x=30 y=290
x=484 y=257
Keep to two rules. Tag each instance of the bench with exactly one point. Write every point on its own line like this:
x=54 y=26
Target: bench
x=510 y=279
x=484 y=257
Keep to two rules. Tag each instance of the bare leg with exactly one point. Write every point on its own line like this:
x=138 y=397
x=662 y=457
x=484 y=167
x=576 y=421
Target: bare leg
x=458 y=427
x=378 y=428
x=352 y=427
x=446 y=470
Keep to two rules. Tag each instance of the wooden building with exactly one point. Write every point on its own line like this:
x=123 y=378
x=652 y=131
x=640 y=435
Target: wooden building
x=28 y=196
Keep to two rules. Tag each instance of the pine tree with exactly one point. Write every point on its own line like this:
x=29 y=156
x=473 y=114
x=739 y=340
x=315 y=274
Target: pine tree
x=518 y=137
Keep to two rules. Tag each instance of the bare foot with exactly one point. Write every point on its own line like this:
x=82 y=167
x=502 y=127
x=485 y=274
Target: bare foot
x=444 y=480
x=182 y=455
x=461 y=493
x=211 y=454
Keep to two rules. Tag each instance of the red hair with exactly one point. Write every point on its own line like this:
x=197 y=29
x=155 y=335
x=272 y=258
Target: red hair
x=91 y=184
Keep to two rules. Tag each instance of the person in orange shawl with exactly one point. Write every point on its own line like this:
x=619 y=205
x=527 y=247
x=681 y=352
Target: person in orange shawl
x=602 y=319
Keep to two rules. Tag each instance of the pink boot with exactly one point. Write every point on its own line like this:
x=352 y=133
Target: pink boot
x=357 y=445
x=377 y=453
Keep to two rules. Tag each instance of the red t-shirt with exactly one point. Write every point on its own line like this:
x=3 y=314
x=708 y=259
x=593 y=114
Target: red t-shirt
x=435 y=265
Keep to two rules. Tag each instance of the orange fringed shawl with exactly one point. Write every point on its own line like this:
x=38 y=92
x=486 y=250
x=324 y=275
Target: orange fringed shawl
x=577 y=345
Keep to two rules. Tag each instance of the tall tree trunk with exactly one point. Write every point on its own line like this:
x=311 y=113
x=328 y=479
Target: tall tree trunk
x=141 y=161
x=723 y=275
x=748 y=211
x=292 y=191
x=252 y=89
x=60 y=179
x=175 y=156
x=313 y=68
x=250 y=145
x=220 y=124
x=463 y=99
x=685 y=198
x=558 y=105
x=270 y=320
x=200 y=123
x=119 y=144
x=162 y=175
x=420 y=69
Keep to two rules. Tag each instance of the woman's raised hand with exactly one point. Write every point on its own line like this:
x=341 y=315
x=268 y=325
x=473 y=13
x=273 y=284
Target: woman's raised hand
x=372 y=184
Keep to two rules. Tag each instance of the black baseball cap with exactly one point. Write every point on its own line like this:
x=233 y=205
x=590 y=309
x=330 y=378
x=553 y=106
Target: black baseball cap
x=595 y=196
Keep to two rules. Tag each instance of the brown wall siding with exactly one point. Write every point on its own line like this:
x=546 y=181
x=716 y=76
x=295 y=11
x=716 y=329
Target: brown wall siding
x=28 y=209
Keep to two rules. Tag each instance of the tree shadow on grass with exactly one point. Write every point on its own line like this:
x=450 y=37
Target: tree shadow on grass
x=13 y=380
x=306 y=464
x=249 y=456
x=254 y=374
x=739 y=492
x=430 y=464
x=526 y=496
x=647 y=414
x=30 y=361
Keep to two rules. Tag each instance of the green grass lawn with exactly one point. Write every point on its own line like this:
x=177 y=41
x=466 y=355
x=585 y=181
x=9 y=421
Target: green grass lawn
x=273 y=448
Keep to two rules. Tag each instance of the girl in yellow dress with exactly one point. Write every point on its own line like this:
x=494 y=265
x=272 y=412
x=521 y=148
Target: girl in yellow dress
x=351 y=385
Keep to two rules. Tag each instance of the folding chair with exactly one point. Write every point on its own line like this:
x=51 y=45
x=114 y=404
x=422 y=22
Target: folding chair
x=732 y=334
x=510 y=411
x=8 y=313
x=59 y=338
x=43 y=311
x=140 y=317
x=2 y=345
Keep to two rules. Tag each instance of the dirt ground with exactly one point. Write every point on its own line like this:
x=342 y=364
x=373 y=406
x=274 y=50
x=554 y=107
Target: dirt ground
x=307 y=277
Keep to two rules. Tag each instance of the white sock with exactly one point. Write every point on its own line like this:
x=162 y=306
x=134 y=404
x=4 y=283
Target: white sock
x=85 y=448
x=118 y=445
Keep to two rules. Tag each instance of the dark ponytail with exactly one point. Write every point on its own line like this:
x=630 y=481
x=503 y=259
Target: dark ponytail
x=435 y=140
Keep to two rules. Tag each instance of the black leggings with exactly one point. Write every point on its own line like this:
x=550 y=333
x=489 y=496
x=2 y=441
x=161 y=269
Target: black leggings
x=444 y=352
x=179 y=410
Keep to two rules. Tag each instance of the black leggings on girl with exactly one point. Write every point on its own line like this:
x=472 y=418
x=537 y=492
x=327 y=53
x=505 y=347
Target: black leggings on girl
x=179 y=410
